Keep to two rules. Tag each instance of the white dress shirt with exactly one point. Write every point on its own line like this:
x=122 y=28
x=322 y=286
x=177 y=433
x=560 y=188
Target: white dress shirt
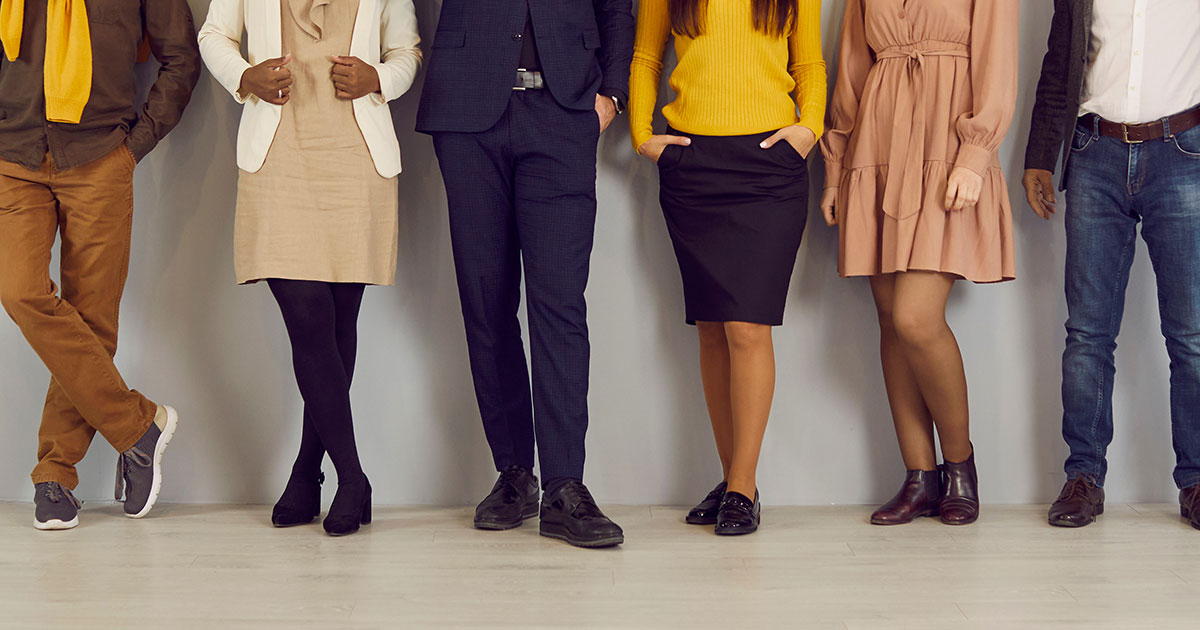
x=1143 y=59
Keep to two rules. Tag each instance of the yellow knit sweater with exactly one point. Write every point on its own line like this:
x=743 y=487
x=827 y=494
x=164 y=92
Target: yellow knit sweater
x=733 y=79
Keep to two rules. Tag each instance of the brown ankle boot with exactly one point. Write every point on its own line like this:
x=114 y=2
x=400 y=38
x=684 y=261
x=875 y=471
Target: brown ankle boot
x=960 y=492
x=918 y=497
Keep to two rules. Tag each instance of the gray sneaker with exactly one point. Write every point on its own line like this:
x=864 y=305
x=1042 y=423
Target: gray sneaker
x=54 y=507
x=139 y=470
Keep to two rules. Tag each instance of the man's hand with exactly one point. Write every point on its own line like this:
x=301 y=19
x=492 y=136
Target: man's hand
x=353 y=78
x=1039 y=191
x=270 y=81
x=801 y=138
x=963 y=189
x=606 y=110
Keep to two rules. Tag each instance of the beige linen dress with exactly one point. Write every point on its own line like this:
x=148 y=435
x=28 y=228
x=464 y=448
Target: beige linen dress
x=318 y=209
x=923 y=86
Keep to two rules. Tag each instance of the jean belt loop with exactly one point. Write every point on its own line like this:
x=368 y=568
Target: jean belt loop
x=1167 y=134
x=1095 y=127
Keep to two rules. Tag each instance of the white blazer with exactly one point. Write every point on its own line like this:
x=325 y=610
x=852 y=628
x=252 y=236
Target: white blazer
x=385 y=36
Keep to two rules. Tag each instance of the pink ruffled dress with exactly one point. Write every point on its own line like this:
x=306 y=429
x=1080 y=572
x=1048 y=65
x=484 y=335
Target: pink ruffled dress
x=923 y=86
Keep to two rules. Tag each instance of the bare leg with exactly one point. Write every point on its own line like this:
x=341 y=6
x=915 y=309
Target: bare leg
x=714 y=372
x=911 y=417
x=752 y=387
x=919 y=315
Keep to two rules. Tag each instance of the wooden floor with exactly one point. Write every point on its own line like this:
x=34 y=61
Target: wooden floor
x=224 y=567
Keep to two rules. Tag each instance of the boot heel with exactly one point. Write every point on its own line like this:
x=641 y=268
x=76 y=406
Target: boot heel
x=366 y=509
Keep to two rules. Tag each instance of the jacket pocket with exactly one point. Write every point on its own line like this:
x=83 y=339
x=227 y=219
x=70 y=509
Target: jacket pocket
x=450 y=39
x=591 y=40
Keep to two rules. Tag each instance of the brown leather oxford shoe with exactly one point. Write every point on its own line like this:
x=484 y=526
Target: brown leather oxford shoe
x=1189 y=504
x=1079 y=503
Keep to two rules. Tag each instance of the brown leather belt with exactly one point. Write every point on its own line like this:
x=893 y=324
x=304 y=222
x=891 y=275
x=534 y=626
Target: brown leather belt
x=1157 y=130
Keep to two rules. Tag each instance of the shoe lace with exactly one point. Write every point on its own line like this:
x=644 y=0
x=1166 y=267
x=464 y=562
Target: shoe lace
x=585 y=506
x=1077 y=488
x=512 y=476
x=56 y=493
x=130 y=459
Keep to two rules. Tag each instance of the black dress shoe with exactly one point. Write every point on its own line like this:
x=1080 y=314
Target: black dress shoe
x=300 y=503
x=738 y=515
x=351 y=507
x=570 y=513
x=514 y=498
x=705 y=512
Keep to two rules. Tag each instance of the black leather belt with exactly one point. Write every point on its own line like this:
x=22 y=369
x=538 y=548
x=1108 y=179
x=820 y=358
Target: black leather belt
x=1157 y=130
x=529 y=80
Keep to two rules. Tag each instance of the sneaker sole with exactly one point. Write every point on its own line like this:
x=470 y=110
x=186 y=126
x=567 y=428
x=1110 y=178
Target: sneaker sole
x=55 y=524
x=497 y=526
x=159 y=447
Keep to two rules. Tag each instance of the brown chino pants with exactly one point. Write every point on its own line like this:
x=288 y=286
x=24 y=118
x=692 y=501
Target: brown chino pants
x=75 y=334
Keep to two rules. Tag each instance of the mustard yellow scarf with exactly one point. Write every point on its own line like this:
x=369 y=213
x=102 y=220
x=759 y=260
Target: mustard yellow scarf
x=68 y=70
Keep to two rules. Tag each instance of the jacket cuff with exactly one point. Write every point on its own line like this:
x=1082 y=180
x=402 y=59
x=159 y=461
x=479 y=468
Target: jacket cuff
x=974 y=157
x=620 y=95
x=1044 y=159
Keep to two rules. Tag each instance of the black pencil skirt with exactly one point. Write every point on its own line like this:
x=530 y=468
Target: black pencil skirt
x=736 y=214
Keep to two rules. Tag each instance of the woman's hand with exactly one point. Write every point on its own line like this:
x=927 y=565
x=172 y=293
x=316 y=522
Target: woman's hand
x=654 y=147
x=270 y=81
x=963 y=189
x=829 y=206
x=354 y=78
x=801 y=138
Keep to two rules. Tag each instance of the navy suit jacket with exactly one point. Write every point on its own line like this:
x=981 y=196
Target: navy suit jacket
x=585 y=46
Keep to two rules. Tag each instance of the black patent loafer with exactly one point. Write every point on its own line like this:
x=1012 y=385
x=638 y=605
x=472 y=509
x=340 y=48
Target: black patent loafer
x=513 y=499
x=705 y=512
x=570 y=514
x=738 y=515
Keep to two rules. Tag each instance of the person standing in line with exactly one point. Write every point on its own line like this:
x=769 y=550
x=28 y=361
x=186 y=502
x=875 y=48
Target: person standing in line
x=317 y=200
x=1119 y=99
x=925 y=94
x=734 y=189
x=516 y=97
x=71 y=134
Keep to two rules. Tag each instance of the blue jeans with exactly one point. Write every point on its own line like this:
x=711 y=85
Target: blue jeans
x=1111 y=187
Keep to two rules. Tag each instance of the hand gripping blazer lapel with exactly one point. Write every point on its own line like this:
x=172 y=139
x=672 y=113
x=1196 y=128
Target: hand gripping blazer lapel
x=385 y=36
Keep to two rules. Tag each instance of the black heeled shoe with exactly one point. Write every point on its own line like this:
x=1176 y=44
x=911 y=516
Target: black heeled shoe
x=300 y=503
x=351 y=508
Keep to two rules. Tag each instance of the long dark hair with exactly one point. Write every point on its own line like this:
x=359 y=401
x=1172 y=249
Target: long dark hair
x=773 y=17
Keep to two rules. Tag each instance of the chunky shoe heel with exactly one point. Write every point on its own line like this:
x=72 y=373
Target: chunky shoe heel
x=343 y=520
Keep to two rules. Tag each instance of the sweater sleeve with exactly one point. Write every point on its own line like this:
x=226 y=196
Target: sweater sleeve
x=994 y=45
x=807 y=66
x=653 y=31
x=855 y=60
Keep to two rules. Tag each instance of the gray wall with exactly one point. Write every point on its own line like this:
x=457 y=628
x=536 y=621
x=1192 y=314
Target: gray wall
x=218 y=352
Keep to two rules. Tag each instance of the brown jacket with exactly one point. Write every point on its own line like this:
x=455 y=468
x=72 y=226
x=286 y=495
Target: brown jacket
x=112 y=115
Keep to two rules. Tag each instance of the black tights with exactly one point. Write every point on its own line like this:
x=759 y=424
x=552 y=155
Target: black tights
x=322 y=323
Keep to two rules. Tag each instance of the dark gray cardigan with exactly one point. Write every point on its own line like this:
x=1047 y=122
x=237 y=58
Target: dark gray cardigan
x=1061 y=85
